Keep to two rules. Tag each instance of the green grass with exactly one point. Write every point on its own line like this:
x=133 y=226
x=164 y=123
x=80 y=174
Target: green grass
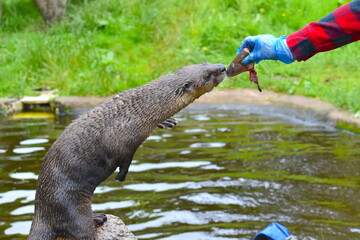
x=105 y=46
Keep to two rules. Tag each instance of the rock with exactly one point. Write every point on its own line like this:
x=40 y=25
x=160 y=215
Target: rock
x=10 y=106
x=77 y=105
x=114 y=229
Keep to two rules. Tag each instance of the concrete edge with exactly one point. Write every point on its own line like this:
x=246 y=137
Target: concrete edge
x=269 y=100
x=273 y=101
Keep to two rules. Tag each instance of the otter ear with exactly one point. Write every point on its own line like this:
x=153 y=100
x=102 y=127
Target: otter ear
x=187 y=85
x=184 y=88
x=207 y=77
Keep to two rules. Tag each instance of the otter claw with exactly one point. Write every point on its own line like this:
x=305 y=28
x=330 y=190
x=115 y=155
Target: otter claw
x=99 y=219
x=170 y=123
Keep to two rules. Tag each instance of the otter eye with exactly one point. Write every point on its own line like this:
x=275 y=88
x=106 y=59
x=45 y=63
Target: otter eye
x=207 y=77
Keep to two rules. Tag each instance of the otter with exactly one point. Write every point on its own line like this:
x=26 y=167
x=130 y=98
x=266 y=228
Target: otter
x=92 y=147
x=51 y=10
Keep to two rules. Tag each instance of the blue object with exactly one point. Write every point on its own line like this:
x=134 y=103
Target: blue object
x=274 y=231
x=266 y=47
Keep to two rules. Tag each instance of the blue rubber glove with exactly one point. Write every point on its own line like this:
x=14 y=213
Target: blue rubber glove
x=266 y=47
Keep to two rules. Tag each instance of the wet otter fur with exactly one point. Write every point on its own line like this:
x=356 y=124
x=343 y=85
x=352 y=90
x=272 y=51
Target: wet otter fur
x=93 y=146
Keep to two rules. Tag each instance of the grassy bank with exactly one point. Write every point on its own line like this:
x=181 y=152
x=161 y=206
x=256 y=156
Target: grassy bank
x=103 y=46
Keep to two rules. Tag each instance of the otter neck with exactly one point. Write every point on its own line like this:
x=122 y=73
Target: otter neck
x=154 y=106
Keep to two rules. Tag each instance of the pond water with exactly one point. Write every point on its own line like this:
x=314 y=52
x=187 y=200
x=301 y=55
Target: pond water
x=220 y=174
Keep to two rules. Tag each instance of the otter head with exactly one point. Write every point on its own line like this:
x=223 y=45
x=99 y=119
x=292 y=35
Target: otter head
x=190 y=82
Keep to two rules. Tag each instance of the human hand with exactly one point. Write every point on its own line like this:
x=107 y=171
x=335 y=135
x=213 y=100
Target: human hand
x=266 y=47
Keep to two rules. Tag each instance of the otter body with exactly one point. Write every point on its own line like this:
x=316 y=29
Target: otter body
x=105 y=138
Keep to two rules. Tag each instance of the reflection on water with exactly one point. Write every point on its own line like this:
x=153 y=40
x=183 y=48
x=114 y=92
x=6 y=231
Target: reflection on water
x=218 y=175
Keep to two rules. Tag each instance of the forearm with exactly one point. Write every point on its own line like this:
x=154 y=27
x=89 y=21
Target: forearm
x=339 y=28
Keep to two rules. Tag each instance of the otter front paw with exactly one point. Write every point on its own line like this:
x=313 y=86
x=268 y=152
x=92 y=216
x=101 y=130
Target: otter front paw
x=99 y=219
x=121 y=175
x=171 y=122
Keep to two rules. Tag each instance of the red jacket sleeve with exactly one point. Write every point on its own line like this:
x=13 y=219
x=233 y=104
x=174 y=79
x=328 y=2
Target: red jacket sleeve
x=339 y=28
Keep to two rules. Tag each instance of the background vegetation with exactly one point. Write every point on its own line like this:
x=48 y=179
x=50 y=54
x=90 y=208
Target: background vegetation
x=105 y=46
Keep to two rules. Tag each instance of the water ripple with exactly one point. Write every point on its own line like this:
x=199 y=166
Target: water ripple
x=113 y=205
x=208 y=145
x=215 y=198
x=11 y=196
x=28 y=209
x=197 y=235
x=188 y=217
x=23 y=175
x=161 y=187
x=28 y=150
x=201 y=117
x=34 y=141
x=105 y=189
x=195 y=130
x=20 y=227
x=151 y=166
